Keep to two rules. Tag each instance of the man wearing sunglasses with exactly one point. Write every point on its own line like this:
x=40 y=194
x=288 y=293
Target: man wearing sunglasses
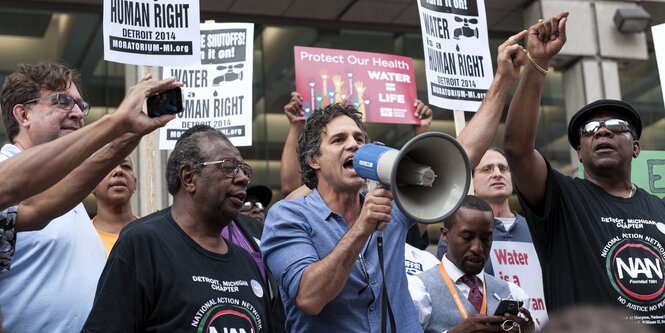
x=257 y=201
x=54 y=272
x=172 y=271
x=600 y=239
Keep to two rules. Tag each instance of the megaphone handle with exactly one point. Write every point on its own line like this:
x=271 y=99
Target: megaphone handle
x=371 y=185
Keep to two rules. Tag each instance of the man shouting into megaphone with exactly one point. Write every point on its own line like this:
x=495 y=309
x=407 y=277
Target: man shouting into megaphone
x=321 y=247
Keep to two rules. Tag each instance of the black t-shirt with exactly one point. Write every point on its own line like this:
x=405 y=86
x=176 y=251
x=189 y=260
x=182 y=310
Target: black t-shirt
x=158 y=279
x=596 y=248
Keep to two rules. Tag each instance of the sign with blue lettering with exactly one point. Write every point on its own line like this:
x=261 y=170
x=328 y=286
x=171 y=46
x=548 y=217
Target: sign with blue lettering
x=218 y=92
x=151 y=32
x=458 y=64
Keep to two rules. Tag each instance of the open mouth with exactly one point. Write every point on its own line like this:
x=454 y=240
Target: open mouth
x=348 y=163
x=118 y=184
x=603 y=147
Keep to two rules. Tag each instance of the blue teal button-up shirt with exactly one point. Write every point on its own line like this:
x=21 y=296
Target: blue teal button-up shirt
x=300 y=232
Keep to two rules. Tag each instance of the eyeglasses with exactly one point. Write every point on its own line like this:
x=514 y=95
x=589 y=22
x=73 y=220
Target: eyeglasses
x=248 y=205
x=64 y=102
x=230 y=167
x=614 y=125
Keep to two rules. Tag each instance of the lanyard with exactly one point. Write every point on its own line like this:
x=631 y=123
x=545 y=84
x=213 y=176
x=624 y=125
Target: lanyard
x=456 y=297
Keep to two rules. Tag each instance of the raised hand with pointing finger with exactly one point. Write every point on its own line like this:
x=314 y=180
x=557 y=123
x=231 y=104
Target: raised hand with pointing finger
x=546 y=38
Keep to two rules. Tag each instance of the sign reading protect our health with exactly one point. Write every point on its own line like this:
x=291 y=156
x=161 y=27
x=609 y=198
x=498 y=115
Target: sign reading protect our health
x=381 y=86
x=152 y=32
x=218 y=92
x=458 y=64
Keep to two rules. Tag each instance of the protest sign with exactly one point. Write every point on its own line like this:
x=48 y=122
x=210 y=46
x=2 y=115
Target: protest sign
x=458 y=64
x=517 y=262
x=658 y=32
x=151 y=33
x=217 y=93
x=381 y=86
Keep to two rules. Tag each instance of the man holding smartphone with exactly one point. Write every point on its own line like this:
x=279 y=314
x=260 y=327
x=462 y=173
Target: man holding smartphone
x=53 y=276
x=457 y=295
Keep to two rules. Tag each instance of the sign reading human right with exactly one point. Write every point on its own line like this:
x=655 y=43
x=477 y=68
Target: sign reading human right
x=458 y=64
x=152 y=32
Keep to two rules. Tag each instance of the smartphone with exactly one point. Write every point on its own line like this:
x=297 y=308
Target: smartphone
x=167 y=102
x=508 y=306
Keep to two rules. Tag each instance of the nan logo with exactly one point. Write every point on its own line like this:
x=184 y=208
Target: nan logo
x=635 y=269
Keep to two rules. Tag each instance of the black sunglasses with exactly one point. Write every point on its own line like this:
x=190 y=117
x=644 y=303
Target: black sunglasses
x=614 y=125
x=248 y=205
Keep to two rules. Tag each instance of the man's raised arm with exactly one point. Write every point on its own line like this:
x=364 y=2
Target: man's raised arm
x=35 y=212
x=289 y=170
x=478 y=135
x=40 y=167
x=529 y=170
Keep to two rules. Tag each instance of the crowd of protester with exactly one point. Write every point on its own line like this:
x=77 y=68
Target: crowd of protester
x=214 y=261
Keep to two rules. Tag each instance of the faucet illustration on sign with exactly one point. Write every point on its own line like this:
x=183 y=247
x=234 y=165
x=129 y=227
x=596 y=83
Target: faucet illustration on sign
x=465 y=30
x=230 y=75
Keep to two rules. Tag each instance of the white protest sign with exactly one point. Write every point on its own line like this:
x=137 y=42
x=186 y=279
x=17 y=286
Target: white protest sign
x=152 y=32
x=658 y=32
x=458 y=64
x=218 y=92
x=518 y=263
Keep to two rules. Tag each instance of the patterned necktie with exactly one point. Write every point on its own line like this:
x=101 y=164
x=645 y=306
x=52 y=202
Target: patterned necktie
x=475 y=296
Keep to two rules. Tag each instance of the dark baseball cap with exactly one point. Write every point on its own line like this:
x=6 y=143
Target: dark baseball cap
x=626 y=111
x=262 y=193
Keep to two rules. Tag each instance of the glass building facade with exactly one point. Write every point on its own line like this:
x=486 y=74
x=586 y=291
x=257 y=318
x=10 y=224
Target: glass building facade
x=71 y=32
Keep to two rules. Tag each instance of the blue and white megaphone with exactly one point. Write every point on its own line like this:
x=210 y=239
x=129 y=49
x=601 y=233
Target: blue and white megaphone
x=429 y=177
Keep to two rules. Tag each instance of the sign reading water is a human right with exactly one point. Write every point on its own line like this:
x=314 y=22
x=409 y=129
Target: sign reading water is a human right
x=458 y=64
x=517 y=262
x=152 y=32
x=218 y=92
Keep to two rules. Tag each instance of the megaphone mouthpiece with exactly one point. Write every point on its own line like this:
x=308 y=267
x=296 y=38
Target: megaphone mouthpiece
x=414 y=173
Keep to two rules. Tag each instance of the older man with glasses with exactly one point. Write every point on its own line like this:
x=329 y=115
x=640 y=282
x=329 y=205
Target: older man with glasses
x=172 y=271
x=600 y=239
x=53 y=275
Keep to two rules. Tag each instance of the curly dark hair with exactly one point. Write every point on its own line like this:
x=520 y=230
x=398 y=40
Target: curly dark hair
x=187 y=151
x=309 y=141
x=27 y=82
